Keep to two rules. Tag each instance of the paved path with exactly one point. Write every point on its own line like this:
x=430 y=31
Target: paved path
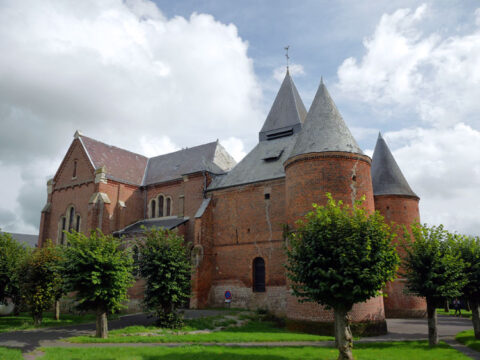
x=399 y=329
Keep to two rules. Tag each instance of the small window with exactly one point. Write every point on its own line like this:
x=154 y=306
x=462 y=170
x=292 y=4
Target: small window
x=161 y=200
x=169 y=203
x=74 y=175
x=259 y=275
x=77 y=224
x=153 y=207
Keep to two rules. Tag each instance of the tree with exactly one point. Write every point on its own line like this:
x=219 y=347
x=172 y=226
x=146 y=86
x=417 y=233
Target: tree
x=434 y=269
x=340 y=256
x=41 y=281
x=469 y=248
x=12 y=254
x=98 y=268
x=165 y=266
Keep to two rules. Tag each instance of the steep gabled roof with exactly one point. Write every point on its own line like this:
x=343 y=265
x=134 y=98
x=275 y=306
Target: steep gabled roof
x=121 y=165
x=287 y=112
x=210 y=157
x=387 y=178
x=324 y=128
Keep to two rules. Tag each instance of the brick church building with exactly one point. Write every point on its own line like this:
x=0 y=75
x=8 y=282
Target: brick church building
x=234 y=214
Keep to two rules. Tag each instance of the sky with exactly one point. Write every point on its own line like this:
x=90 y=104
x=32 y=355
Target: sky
x=157 y=76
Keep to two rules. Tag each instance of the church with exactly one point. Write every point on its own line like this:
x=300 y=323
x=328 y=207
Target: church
x=234 y=215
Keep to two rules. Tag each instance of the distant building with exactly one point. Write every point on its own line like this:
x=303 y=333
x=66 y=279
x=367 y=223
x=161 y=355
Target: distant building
x=27 y=239
x=233 y=214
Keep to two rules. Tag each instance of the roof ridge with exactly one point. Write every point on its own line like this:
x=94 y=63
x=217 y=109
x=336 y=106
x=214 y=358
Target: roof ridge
x=183 y=149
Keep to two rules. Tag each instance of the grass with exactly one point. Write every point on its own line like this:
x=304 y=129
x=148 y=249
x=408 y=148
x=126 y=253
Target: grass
x=467 y=338
x=24 y=321
x=465 y=313
x=418 y=350
x=253 y=331
x=10 y=354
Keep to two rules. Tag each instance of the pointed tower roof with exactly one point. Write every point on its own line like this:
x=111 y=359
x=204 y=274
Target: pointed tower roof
x=287 y=113
x=324 y=129
x=387 y=178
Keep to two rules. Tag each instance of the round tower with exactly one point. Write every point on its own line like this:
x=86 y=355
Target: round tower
x=326 y=158
x=396 y=201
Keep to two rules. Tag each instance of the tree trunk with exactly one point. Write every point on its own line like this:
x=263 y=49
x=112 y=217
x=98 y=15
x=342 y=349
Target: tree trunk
x=102 y=325
x=343 y=335
x=37 y=319
x=447 y=306
x=57 y=310
x=432 y=322
x=467 y=305
x=476 y=319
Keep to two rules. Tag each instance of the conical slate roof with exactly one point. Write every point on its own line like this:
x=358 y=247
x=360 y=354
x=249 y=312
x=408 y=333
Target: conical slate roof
x=387 y=178
x=324 y=129
x=287 y=113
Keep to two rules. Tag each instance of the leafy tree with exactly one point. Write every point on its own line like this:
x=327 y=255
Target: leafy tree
x=98 y=268
x=469 y=248
x=41 y=280
x=12 y=254
x=340 y=256
x=434 y=269
x=166 y=268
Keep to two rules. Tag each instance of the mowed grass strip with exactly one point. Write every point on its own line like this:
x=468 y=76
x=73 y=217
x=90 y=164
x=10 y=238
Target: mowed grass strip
x=253 y=331
x=418 y=350
x=10 y=354
x=467 y=337
x=465 y=313
x=24 y=321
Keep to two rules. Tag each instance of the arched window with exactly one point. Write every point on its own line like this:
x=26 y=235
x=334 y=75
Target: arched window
x=169 y=205
x=63 y=227
x=153 y=208
x=70 y=218
x=77 y=224
x=258 y=275
x=161 y=200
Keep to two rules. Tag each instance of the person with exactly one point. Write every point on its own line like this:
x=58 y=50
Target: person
x=456 y=306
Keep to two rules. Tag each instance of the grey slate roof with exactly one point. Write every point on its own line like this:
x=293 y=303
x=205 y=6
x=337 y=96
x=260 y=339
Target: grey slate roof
x=387 y=178
x=27 y=239
x=324 y=128
x=136 y=228
x=259 y=164
x=287 y=112
x=210 y=157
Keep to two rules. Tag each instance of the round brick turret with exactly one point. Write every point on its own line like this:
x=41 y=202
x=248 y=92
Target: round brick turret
x=396 y=201
x=326 y=158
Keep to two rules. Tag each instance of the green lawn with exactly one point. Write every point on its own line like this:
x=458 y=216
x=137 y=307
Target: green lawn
x=465 y=313
x=253 y=331
x=10 y=354
x=24 y=321
x=418 y=350
x=467 y=338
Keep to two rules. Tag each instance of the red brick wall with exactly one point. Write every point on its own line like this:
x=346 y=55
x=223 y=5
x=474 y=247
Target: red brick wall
x=346 y=176
x=242 y=225
x=398 y=211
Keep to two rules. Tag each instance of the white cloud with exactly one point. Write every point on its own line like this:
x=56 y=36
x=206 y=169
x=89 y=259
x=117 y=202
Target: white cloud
x=437 y=79
x=295 y=70
x=442 y=168
x=235 y=147
x=122 y=73
x=437 y=76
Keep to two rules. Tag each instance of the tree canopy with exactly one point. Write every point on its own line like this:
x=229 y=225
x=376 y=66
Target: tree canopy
x=98 y=268
x=338 y=256
x=165 y=265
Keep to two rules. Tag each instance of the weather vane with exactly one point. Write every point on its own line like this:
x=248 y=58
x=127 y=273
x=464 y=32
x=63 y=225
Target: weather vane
x=286 y=54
